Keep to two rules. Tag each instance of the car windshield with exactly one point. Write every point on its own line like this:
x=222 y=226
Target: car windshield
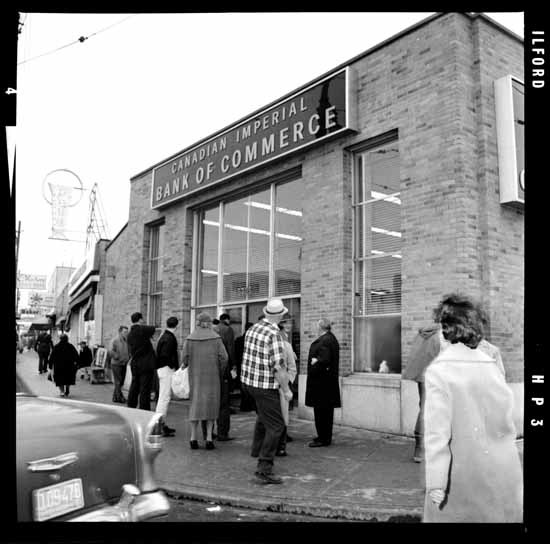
x=21 y=388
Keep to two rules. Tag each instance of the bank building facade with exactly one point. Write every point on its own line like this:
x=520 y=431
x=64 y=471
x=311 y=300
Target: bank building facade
x=362 y=196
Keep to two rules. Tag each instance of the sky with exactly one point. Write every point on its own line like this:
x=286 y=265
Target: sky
x=142 y=87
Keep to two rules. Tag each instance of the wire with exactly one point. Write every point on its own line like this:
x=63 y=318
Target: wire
x=79 y=40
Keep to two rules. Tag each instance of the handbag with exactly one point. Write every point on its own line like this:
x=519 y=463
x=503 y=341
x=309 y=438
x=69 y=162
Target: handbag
x=180 y=383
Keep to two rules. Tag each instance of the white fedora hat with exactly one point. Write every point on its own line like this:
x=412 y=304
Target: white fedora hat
x=275 y=306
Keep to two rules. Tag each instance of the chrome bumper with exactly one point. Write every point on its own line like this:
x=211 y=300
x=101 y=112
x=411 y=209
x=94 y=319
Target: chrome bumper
x=132 y=506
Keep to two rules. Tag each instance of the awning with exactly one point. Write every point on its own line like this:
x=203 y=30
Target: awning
x=66 y=321
x=89 y=310
x=81 y=298
x=41 y=324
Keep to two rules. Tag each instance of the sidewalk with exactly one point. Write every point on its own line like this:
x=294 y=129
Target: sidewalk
x=362 y=476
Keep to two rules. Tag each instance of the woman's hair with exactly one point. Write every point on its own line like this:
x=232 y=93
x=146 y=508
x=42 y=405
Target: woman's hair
x=63 y=338
x=204 y=320
x=462 y=319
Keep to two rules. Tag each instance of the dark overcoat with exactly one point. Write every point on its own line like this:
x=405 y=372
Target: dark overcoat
x=322 y=388
x=140 y=348
x=64 y=361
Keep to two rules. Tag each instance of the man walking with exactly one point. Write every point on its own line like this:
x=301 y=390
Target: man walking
x=262 y=372
x=143 y=362
x=322 y=389
x=43 y=347
x=167 y=364
x=228 y=338
x=119 y=361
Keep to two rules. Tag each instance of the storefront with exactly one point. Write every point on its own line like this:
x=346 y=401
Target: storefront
x=362 y=196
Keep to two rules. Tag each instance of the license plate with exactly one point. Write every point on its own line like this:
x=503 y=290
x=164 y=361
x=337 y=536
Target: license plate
x=56 y=500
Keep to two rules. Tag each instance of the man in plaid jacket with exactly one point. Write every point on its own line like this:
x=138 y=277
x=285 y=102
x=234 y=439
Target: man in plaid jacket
x=262 y=373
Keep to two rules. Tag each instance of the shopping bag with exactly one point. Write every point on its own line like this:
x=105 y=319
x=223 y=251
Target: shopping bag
x=127 y=378
x=180 y=383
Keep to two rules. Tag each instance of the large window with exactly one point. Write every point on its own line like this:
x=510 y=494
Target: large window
x=250 y=248
x=154 y=287
x=377 y=260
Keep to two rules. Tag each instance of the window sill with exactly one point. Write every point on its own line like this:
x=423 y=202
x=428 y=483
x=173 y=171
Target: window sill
x=373 y=378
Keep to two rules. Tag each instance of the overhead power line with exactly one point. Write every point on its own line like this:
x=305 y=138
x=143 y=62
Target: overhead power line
x=79 y=40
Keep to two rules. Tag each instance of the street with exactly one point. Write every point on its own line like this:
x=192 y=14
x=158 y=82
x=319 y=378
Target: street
x=187 y=510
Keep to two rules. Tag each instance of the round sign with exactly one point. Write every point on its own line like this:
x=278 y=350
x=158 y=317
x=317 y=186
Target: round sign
x=62 y=187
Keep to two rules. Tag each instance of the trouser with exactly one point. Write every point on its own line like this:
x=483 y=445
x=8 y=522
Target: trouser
x=224 y=421
x=42 y=362
x=247 y=402
x=164 y=374
x=419 y=427
x=140 y=388
x=269 y=426
x=324 y=417
x=119 y=375
x=65 y=389
x=282 y=441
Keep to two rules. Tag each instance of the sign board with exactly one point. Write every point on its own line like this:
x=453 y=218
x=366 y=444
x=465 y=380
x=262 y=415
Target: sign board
x=510 y=119
x=31 y=281
x=309 y=116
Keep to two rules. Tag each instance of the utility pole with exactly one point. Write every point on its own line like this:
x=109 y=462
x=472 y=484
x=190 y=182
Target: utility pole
x=17 y=238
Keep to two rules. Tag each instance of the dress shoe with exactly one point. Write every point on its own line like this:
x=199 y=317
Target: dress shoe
x=281 y=453
x=194 y=444
x=166 y=433
x=318 y=444
x=289 y=438
x=262 y=478
x=225 y=438
x=254 y=454
x=169 y=429
x=210 y=445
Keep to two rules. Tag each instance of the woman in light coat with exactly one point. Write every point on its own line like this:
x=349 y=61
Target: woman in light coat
x=205 y=355
x=473 y=470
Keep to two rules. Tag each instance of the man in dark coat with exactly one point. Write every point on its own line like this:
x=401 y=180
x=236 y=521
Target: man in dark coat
x=228 y=338
x=322 y=389
x=43 y=347
x=64 y=362
x=143 y=362
x=167 y=364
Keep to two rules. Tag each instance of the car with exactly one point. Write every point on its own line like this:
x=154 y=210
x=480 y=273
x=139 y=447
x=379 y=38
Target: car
x=85 y=461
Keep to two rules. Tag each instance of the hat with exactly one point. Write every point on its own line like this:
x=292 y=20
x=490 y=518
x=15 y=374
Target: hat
x=203 y=317
x=275 y=306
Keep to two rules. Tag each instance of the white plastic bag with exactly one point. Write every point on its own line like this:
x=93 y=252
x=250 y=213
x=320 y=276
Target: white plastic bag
x=180 y=383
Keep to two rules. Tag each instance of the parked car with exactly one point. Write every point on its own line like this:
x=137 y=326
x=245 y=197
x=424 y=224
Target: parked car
x=84 y=461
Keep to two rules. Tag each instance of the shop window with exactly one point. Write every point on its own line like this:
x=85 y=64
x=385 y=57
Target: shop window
x=377 y=260
x=260 y=237
x=155 y=265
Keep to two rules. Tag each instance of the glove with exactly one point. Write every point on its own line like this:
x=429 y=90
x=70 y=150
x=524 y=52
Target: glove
x=437 y=496
x=288 y=395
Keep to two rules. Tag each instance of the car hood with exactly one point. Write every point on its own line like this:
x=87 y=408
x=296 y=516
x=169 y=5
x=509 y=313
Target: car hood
x=102 y=437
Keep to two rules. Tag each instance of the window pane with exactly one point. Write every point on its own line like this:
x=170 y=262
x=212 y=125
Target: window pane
x=378 y=339
x=383 y=285
x=288 y=238
x=258 y=249
x=155 y=309
x=235 y=240
x=382 y=171
x=208 y=260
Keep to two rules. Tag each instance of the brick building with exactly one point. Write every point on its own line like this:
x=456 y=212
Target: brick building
x=362 y=196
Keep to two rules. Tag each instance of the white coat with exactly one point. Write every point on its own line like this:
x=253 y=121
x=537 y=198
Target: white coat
x=469 y=440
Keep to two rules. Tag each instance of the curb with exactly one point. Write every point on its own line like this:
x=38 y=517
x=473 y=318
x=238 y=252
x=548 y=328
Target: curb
x=347 y=511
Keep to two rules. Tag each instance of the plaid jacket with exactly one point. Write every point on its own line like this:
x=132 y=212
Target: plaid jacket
x=264 y=352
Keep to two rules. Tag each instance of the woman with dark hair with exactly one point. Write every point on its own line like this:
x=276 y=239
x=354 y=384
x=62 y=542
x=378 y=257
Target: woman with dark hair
x=473 y=470
x=64 y=361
